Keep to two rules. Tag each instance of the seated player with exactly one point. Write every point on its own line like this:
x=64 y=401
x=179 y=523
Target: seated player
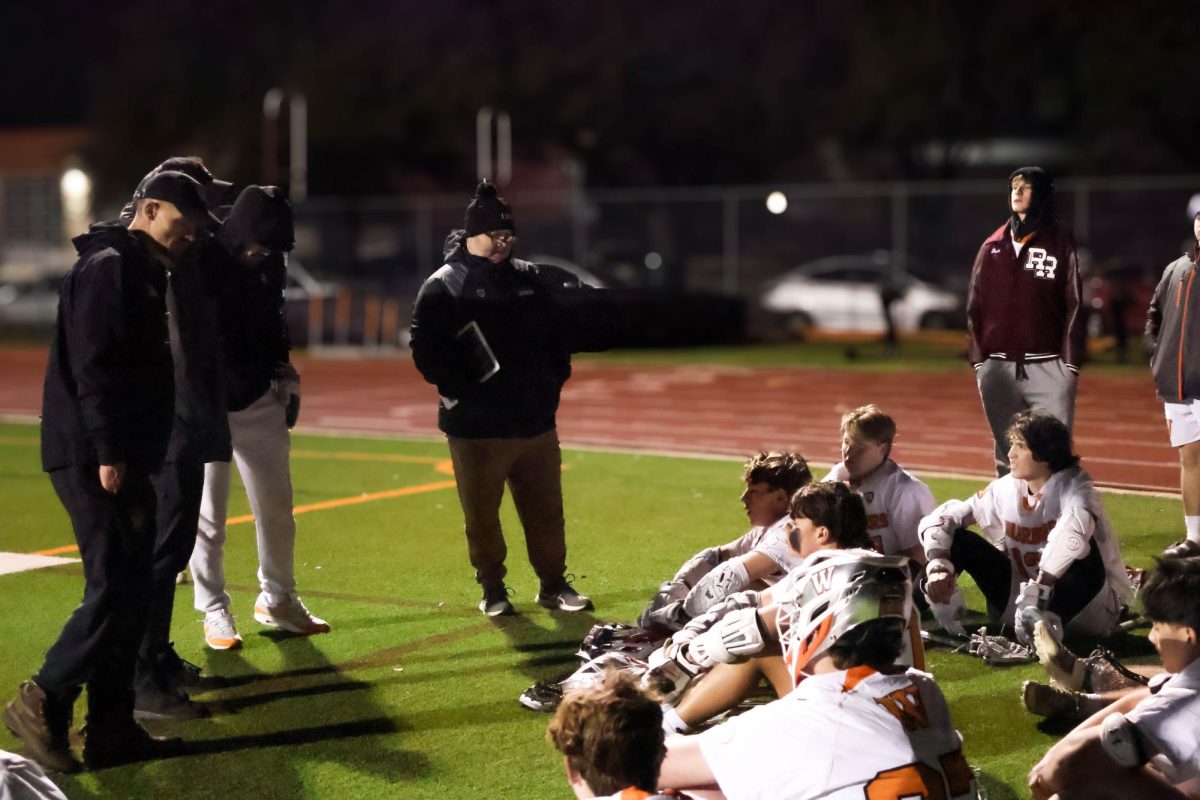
x=856 y=724
x=760 y=555
x=824 y=516
x=895 y=500
x=610 y=738
x=1047 y=549
x=1148 y=742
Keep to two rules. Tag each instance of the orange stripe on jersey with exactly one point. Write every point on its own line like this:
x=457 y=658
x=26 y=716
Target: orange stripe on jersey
x=855 y=675
x=906 y=706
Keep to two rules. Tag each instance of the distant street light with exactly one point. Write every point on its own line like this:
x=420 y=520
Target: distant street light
x=777 y=202
x=76 y=189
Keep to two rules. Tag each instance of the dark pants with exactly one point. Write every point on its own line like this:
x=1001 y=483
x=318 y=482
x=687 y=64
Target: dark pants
x=992 y=571
x=98 y=645
x=532 y=468
x=178 y=486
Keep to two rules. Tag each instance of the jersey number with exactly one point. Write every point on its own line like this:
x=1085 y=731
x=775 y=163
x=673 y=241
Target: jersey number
x=920 y=781
x=1023 y=562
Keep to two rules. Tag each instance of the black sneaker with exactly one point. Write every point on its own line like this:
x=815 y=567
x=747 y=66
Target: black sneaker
x=180 y=673
x=495 y=602
x=1182 y=549
x=160 y=702
x=562 y=596
x=542 y=696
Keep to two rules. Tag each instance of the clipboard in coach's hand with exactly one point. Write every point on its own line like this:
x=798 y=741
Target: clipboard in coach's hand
x=477 y=353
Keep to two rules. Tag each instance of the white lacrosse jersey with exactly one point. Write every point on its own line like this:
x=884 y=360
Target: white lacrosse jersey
x=850 y=734
x=895 y=500
x=1020 y=524
x=1168 y=722
x=772 y=542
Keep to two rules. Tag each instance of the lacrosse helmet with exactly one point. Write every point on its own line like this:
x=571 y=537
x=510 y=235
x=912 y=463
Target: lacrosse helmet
x=831 y=594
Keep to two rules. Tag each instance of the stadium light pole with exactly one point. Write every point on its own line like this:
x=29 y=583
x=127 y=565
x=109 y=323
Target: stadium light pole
x=493 y=154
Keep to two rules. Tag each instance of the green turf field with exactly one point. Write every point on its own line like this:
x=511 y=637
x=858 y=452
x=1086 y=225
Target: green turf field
x=414 y=694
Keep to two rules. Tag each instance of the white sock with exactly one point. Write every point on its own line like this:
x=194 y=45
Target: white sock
x=673 y=723
x=1193 y=528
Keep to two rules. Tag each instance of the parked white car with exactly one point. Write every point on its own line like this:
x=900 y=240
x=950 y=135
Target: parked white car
x=842 y=293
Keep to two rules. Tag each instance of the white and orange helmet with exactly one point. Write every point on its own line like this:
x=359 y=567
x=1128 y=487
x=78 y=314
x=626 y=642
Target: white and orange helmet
x=831 y=594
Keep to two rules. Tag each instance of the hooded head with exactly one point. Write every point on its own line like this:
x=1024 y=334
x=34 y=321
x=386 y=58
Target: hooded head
x=1040 y=205
x=259 y=224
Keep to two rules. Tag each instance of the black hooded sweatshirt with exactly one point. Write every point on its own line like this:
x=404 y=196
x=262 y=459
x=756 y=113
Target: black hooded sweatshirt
x=109 y=391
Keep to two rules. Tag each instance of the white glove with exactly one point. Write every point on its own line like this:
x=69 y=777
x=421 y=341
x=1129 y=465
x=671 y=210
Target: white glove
x=731 y=641
x=1030 y=605
x=672 y=674
x=949 y=615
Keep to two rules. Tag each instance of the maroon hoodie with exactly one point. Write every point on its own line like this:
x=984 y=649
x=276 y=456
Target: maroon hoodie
x=1027 y=307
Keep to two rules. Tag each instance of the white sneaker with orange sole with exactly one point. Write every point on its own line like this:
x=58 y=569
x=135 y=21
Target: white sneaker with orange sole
x=220 y=632
x=290 y=616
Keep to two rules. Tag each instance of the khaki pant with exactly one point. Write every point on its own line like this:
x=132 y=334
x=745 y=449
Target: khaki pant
x=532 y=468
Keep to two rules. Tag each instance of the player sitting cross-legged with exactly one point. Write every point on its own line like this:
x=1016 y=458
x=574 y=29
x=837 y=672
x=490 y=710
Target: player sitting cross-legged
x=1147 y=743
x=1047 y=551
x=857 y=724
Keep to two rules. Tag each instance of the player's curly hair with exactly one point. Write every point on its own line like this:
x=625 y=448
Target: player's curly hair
x=837 y=508
x=611 y=734
x=1046 y=436
x=1171 y=592
x=787 y=471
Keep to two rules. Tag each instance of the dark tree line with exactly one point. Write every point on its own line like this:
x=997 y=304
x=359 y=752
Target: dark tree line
x=673 y=93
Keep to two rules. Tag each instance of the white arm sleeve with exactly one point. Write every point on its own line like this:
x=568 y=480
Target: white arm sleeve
x=937 y=529
x=698 y=566
x=1068 y=540
x=714 y=587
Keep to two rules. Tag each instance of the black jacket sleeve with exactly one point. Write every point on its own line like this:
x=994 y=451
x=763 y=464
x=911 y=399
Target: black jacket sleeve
x=435 y=349
x=1154 y=314
x=98 y=343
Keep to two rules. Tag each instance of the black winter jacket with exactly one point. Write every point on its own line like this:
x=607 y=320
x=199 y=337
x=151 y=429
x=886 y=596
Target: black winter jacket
x=1173 y=330
x=254 y=333
x=108 y=397
x=514 y=305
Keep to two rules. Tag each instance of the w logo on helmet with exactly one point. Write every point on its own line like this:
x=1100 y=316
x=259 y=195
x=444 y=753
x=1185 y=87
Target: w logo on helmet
x=1042 y=264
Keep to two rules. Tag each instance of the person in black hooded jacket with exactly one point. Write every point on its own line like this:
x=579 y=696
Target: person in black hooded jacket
x=107 y=410
x=488 y=332
x=263 y=402
x=1026 y=329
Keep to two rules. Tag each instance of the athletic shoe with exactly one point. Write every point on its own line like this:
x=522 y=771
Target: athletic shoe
x=562 y=597
x=1048 y=701
x=542 y=696
x=495 y=602
x=1063 y=667
x=1183 y=549
x=25 y=718
x=182 y=579
x=161 y=702
x=220 y=633
x=290 y=616
x=110 y=746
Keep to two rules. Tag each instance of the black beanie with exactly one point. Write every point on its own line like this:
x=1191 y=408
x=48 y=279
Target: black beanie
x=488 y=211
x=261 y=215
x=1041 y=201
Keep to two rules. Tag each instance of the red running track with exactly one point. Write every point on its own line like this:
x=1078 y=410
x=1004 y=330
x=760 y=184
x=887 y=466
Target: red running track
x=730 y=411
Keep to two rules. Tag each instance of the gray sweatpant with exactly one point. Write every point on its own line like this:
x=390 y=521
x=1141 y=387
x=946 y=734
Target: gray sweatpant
x=1049 y=385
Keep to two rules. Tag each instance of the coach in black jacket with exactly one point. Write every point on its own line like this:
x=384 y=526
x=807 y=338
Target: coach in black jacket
x=501 y=426
x=106 y=419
